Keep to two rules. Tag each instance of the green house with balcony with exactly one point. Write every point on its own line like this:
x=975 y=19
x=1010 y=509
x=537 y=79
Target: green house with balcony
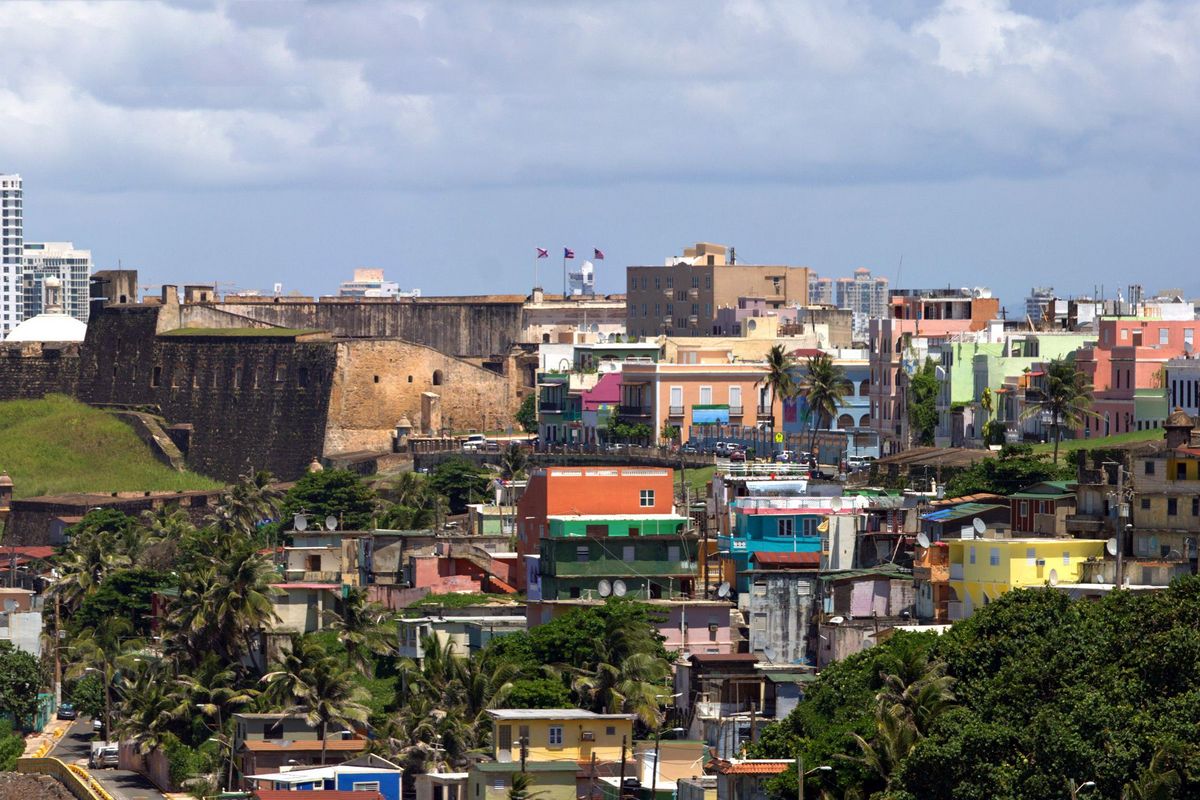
x=644 y=557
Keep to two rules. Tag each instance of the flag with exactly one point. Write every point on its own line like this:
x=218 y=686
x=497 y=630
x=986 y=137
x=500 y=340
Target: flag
x=597 y=254
x=543 y=252
x=568 y=252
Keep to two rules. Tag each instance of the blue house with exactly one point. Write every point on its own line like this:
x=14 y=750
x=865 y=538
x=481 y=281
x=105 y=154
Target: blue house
x=382 y=777
x=760 y=527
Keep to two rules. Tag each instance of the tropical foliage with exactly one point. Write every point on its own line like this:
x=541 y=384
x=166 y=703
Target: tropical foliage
x=923 y=389
x=1031 y=692
x=778 y=379
x=1015 y=468
x=823 y=386
x=1065 y=397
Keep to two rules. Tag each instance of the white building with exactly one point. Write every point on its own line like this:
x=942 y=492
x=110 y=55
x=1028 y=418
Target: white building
x=12 y=239
x=60 y=260
x=370 y=283
x=52 y=325
x=1035 y=303
x=582 y=282
x=1183 y=384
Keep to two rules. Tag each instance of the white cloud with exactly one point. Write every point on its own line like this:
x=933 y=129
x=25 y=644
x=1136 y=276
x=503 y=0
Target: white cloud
x=161 y=95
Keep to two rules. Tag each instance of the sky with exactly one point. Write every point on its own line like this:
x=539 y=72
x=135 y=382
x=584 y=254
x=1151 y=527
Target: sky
x=960 y=142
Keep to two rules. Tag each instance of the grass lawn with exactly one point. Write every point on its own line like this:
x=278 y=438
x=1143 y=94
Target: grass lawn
x=697 y=479
x=1070 y=445
x=462 y=600
x=59 y=446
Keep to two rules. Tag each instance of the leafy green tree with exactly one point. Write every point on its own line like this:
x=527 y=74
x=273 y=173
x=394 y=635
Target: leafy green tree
x=1015 y=468
x=333 y=492
x=923 y=390
x=514 y=462
x=87 y=694
x=125 y=594
x=11 y=747
x=363 y=628
x=536 y=693
x=20 y=681
x=95 y=548
x=460 y=482
x=824 y=386
x=1066 y=396
x=248 y=504
x=325 y=693
x=526 y=415
x=778 y=378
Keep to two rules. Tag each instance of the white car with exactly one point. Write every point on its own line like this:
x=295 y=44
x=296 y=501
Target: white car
x=474 y=443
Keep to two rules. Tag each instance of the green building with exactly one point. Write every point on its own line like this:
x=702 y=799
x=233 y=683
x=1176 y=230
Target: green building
x=641 y=556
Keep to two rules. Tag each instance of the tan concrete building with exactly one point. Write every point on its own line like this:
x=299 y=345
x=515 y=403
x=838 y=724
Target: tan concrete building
x=682 y=296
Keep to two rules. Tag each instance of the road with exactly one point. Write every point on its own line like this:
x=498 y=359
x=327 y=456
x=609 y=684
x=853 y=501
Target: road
x=120 y=783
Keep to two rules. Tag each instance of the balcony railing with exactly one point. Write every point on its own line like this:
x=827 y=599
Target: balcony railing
x=735 y=411
x=676 y=411
x=633 y=411
x=765 y=411
x=550 y=407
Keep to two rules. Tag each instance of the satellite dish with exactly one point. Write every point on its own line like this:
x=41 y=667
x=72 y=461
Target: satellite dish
x=836 y=620
x=723 y=589
x=1111 y=546
x=1053 y=577
x=605 y=588
x=979 y=525
x=618 y=588
x=300 y=522
x=923 y=540
x=331 y=523
x=836 y=504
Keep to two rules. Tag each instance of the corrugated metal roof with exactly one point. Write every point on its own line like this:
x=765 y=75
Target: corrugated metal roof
x=792 y=559
x=960 y=511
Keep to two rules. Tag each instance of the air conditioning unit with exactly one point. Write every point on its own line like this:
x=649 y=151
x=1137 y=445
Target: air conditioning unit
x=1041 y=562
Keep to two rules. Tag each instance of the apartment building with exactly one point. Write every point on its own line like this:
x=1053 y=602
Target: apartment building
x=687 y=395
x=72 y=267
x=12 y=242
x=682 y=296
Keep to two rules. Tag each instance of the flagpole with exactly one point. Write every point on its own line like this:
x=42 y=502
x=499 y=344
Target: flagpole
x=535 y=260
x=564 y=274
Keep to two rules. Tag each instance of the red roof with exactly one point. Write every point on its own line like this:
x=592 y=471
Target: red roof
x=306 y=745
x=755 y=767
x=788 y=559
x=31 y=551
x=314 y=794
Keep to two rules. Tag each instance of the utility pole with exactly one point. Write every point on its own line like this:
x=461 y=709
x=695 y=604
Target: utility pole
x=1122 y=515
x=57 y=646
x=800 y=777
x=621 y=785
x=524 y=743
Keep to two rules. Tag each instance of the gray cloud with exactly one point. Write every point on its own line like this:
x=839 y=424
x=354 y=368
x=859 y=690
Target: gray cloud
x=413 y=94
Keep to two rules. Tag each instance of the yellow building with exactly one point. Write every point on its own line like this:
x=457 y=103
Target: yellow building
x=552 y=780
x=983 y=569
x=559 y=734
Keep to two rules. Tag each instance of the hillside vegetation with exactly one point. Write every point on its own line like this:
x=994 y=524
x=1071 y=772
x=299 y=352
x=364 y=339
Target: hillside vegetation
x=58 y=445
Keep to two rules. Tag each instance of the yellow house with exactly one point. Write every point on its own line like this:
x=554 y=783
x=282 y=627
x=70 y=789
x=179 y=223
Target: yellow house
x=552 y=780
x=983 y=569
x=559 y=734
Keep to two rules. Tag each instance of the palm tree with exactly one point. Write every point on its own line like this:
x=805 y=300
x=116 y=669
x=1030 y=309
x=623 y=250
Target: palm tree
x=778 y=379
x=247 y=504
x=148 y=707
x=90 y=557
x=635 y=685
x=514 y=462
x=521 y=781
x=326 y=694
x=217 y=697
x=362 y=628
x=824 y=386
x=103 y=650
x=239 y=603
x=1066 y=396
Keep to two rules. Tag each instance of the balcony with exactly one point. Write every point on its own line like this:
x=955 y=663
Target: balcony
x=735 y=411
x=675 y=411
x=550 y=407
x=1084 y=523
x=634 y=411
x=310 y=576
x=764 y=412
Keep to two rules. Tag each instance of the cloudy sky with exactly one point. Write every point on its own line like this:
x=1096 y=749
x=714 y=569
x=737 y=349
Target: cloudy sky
x=981 y=142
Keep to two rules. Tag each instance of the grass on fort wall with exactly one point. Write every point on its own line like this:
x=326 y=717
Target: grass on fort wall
x=1071 y=445
x=59 y=446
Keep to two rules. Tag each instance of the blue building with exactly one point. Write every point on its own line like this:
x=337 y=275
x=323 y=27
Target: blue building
x=762 y=526
x=384 y=778
x=854 y=411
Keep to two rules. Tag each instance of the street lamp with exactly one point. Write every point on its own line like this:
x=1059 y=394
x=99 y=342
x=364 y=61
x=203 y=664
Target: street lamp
x=801 y=774
x=1076 y=790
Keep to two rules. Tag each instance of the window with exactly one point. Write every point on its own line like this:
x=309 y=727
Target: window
x=437 y=377
x=581 y=553
x=994 y=556
x=556 y=736
x=670 y=282
x=735 y=397
x=972 y=557
x=647 y=498
x=695 y=281
x=1145 y=504
x=627 y=553
x=1030 y=556
x=785 y=526
x=365 y=786
x=1181 y=471
x=1023 y=508
x=1196 y=506
x=705 y=395
x=610 y=730
x=156 y=377
x=1164 y=336
x=1066 y=558
x=1172 y=506
x=1149 y=467
x=673 y=553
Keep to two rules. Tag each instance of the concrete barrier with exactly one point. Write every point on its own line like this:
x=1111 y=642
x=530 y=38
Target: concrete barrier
x=78 y=781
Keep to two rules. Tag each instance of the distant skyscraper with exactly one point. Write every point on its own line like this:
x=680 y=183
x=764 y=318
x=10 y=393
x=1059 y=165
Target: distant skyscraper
x=867 y=297
x=582 y=283
x=370 y=283
x=12 y=236
x=59 y=259
x=1035 y=303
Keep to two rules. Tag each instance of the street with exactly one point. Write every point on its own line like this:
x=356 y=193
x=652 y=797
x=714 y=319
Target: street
x=121 y=784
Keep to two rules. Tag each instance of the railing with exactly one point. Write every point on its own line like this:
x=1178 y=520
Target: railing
x=675 y=411
x=735 y=411
x=633 y=411
x=314 y=576
x=706 y=708
x=755 y=468
x=550 y=407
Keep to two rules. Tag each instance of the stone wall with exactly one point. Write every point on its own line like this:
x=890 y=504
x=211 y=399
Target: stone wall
x=31 y=370
x=473 y=327
x=378 y=381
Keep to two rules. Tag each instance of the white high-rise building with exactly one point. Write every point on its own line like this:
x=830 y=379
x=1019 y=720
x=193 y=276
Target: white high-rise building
x=12 y=242
x=61 y=260
x=369 y=282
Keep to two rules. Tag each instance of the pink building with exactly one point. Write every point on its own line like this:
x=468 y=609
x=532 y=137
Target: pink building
x=1126 y=367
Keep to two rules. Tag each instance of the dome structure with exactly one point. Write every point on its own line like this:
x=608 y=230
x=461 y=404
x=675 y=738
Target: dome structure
x=49 y=328
x=52 y=325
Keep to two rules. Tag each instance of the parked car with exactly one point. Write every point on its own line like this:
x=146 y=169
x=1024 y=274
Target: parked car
x=104 y=754
x=737 y=456
x=785 y=456
x=721 y=449
x=689 y=449
x=855 y=463
x=67 y=711
x=474 y=442
x=98 y=726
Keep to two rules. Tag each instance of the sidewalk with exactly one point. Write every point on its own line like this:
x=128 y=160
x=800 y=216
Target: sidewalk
x=39 y=745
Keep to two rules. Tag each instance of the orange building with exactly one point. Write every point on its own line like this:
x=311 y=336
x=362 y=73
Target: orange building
x=574 y=491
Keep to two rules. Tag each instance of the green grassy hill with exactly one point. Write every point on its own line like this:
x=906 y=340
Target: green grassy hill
x=1069 y=445
x=58 y=445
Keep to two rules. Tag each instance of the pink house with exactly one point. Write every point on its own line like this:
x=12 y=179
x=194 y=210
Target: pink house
x=1129 y=356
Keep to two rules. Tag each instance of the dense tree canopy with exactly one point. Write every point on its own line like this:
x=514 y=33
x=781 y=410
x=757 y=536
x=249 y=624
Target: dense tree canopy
x=923 y=390
x=333 y=492
x=1039 y=690
x=1016 y=468
x=20 y=680
x=460 y=482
